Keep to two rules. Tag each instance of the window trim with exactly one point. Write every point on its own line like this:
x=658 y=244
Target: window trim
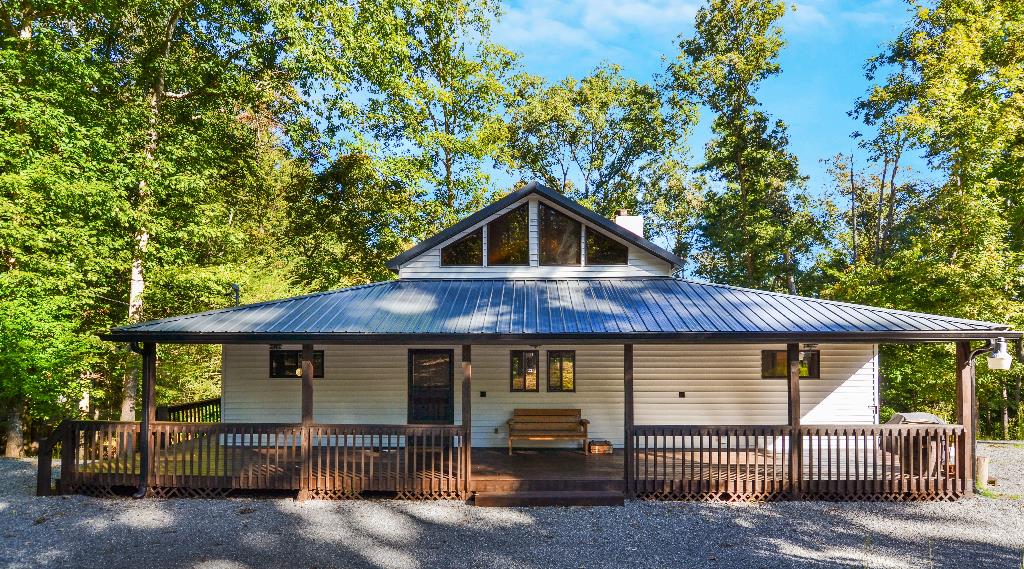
x=560 y=389
x=270 y=364
x=512 y=371
x=810 y=374
x=540 y=237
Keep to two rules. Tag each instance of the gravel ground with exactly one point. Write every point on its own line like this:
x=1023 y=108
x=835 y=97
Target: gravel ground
x=75 y=531
x=1007 y=466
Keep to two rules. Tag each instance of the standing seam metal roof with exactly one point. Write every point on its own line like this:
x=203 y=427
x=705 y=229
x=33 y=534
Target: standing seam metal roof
x=649 y=307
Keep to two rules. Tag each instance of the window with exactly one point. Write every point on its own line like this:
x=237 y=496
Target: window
x=508 y=238
x=774 y=364
x=562 y=370
x=468 y=250
x=284 y=363
x=523 y=370
x=559 y=237
x=602 y=250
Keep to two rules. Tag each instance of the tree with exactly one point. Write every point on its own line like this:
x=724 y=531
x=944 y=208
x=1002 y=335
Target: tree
x=603 y=139
x=753 y=231
x=949 y=86
x=435 y=89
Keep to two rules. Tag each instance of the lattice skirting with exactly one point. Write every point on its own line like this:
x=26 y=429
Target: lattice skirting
x=824 y=497
x=180 y=492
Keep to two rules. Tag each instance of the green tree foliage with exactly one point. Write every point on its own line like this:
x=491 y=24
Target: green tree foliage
x=604 y=140
x=949 y=85
x=435 y=87
x=754 y=230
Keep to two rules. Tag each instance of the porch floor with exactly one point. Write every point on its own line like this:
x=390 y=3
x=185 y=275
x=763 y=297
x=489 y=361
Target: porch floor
x=546 y=464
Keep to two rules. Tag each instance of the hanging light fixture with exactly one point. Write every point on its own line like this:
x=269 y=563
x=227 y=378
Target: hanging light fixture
x=999 y=357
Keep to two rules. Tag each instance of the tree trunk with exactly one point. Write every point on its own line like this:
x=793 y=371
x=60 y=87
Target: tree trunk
x=853 y=212
x=154 y=96
x=15 y=429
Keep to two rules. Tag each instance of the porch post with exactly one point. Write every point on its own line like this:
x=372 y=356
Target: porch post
x=308 y=371
x=796 y=440
x=627 y=416
x=965 y=413
x=148 y=353
x=467 y=412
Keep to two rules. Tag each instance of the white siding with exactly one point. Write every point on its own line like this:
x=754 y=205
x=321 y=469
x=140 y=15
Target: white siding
x=722 y=383
x=428 y=263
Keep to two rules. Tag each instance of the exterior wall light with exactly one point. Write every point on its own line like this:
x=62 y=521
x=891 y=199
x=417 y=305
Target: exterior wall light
x=999 y=357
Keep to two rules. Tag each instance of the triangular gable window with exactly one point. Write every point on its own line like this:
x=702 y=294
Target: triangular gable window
x=602 y=250
x=468 y=250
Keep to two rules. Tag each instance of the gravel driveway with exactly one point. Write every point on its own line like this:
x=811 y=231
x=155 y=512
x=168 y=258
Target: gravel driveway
x=75 y=531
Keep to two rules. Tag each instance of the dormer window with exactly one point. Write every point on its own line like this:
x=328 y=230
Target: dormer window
x=602 y=250
x=559 y=237
x=508 y=238
x=467 y=251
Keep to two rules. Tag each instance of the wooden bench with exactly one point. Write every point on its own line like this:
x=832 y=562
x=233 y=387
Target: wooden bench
x=547 y=425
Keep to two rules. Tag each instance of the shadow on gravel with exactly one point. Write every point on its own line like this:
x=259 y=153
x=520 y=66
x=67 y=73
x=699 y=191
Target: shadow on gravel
x=75 y=531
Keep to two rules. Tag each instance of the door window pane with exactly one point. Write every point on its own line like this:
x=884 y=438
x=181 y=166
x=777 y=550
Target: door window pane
x=466 y=251
x=523 y=370
x=430 y=386
x=508 y=238
x=602 y=250
x=559 y=237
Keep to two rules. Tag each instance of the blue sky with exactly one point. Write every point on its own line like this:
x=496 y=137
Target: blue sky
x=828 y=42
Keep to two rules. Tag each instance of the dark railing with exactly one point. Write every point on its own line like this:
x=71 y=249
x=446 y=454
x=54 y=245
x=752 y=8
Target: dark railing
x=205 y=411
x=689 y=462
x=210 y=459
x=842 y=462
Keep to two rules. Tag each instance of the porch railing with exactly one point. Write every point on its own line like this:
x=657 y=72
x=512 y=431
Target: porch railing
x=212 y=459
x=896 y=462
x=205 y=411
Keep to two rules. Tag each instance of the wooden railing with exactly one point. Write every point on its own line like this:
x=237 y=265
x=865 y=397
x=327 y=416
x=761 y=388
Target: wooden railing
x=888 y=461
x=205 y=411
x=688 y=462
x=841 y=462
x=204 y=459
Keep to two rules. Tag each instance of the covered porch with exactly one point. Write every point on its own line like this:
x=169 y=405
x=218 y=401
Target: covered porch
x=185 y=454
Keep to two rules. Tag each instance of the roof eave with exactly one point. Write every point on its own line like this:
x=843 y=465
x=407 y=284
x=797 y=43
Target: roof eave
x=603 y=338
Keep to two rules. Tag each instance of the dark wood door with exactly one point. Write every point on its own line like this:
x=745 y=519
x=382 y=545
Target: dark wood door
x=431 y=387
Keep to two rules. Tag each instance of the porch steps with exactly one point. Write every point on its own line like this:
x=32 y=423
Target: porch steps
x=549 y=498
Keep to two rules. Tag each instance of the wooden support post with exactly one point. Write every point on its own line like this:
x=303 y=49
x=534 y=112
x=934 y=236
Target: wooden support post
x=148 y=416
x=627 y=417
x=467 y=415
x=308 y=371
x=796 y=440
x=965 y=413
x=305 y=450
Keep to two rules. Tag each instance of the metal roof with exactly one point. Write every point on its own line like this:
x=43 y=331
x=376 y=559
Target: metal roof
x=535 y=188
x=481 y=310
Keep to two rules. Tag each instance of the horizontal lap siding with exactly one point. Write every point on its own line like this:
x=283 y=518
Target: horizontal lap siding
x=723 y=385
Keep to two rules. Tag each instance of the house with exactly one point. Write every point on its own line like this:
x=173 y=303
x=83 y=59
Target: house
x=538 y=318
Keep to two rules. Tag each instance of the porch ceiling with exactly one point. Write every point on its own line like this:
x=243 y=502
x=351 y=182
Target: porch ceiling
x=553 y=310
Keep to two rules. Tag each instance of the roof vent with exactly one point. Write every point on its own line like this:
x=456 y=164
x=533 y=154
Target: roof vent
x=631 y=223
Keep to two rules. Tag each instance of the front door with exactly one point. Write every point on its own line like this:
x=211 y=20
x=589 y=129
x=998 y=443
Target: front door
x=431 y=387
